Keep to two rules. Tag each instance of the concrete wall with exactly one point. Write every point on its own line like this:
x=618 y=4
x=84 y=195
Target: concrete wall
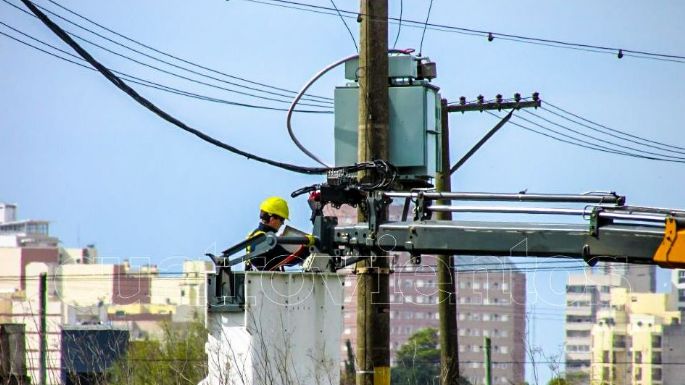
x=85 y=285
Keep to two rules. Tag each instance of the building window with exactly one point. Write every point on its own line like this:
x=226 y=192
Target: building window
x=656 y=358
x=681 y=276
x=656 y=374
x=505 y=286
x=656 y=341
x=505 y=317
x=681 y=295
x=486 y=317
x=638 y=357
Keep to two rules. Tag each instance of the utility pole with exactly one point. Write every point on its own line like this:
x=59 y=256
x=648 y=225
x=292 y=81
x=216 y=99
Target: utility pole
x=43 y=304
x=488 y=364
x=373 y=307
x=447 y=299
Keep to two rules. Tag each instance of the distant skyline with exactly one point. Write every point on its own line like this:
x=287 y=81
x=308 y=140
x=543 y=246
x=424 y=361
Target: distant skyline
x=83 y=155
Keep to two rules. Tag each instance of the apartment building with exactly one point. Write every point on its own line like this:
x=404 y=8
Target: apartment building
x=637 y=341
x=491 y=297
x=589 y=292
x=678 y=289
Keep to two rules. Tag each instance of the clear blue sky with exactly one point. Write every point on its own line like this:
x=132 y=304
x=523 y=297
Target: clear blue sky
x=80 y=153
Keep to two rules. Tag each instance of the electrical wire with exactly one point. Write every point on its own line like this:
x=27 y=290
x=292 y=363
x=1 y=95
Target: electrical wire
x=399 y=24
x=304 y=89
x=153 y=108
x=140 y=81
x=174 y=74
x=609 y=129
x=594 y=137
x=425 y=25
x=312 y=97
x=582 y=143
x=482 y=33
x=622 y=149
x=354 y=41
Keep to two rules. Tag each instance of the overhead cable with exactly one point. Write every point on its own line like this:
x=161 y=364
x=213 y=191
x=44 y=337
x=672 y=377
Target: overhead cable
x=585 y=144
x=140 y=81
x=155 y=58
x=304 y=89
x=594 y=137
x=492 y=35
x=156 y=110
x=399 y=25
x=354 y=41
x=425 y=25
x=607 y=130
x=177 y=75
x=179 y=58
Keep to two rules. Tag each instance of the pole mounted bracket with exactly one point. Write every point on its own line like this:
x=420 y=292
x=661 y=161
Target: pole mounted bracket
x=671 y=251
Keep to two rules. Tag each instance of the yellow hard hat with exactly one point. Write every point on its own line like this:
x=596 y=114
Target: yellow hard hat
x=275 y=206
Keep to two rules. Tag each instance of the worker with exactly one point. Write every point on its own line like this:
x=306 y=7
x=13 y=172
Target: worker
x=273 y=212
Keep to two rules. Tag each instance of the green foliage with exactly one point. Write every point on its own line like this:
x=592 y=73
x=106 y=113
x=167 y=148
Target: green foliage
x=557 y=381
x=348 y=376
x=577 y=378
x=418 y=360
x=178 y=358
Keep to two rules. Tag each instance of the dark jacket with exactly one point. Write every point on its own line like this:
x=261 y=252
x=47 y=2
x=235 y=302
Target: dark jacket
x=271 y=259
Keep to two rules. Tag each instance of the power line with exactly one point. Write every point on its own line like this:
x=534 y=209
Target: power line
x=312 y=97
x=174 y=74
x=399 y=25
x=425 y=25
x=621 y=150
x=156 y=110
x=144 y=82
x=492 y=35
x=582 y=143
x=356 y=48
x=594 y=137
x=611 y=130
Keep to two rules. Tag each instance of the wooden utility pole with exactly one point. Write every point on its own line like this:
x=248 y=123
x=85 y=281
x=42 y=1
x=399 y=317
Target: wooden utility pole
x=373 y=308
x=447 y=298
x=43 y=304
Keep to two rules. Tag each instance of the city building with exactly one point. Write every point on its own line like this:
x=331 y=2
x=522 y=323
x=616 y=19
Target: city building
x=89 y=351
x=589 y=292
x=82 y=292
x=491 y=295
x=637 y=340
x=678 y=287
x=23 y=233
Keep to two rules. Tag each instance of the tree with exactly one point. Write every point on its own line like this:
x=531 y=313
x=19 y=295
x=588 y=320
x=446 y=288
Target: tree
x=577 y=378
x=557 y=381
x=178 y=358
x=348 y=376
x=418 y=360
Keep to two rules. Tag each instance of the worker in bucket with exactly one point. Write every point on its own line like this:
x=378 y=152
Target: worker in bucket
x=273 y=212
